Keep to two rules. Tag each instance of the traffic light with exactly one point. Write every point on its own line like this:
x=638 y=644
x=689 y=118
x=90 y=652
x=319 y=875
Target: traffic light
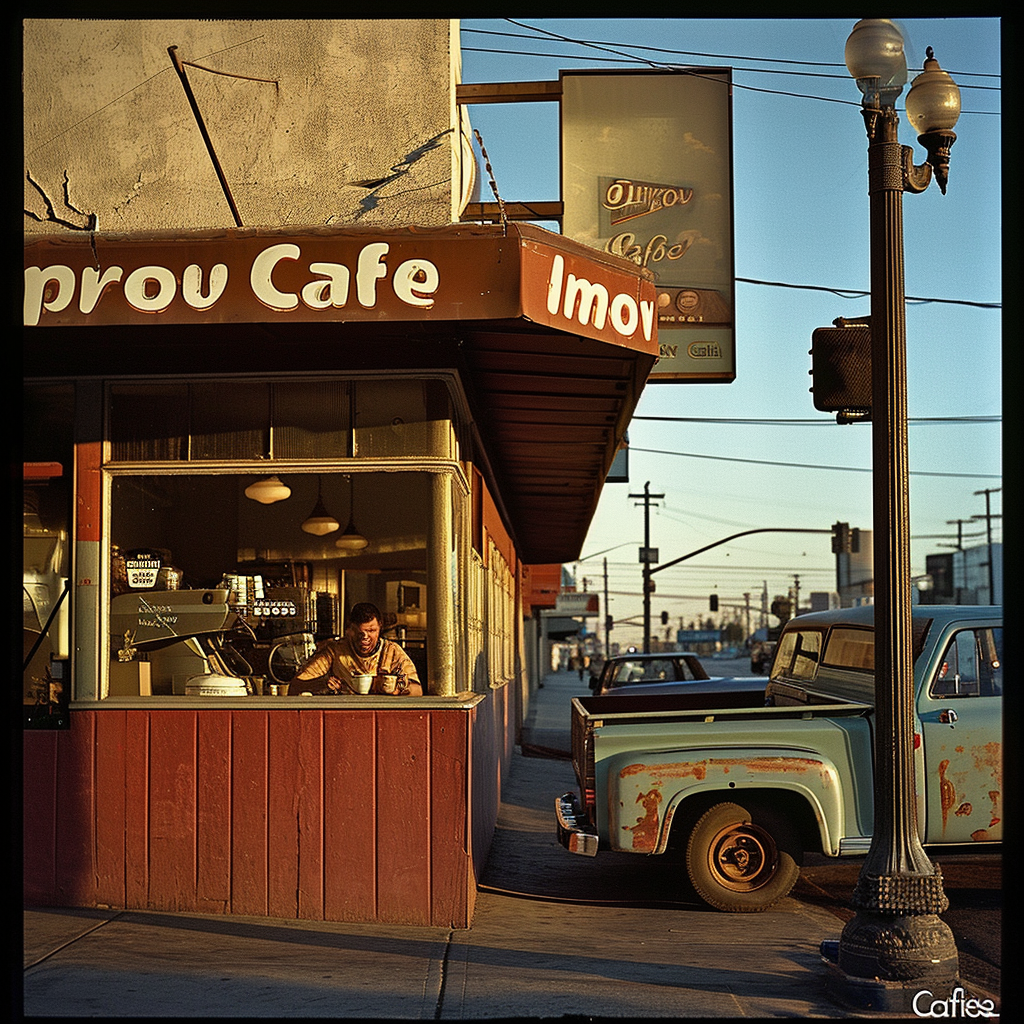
x=713 y=602
x=841 y=368
x=608 y=623
x=664 y=618
x=841 y=543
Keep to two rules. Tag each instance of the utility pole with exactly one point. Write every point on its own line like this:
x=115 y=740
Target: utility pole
x=988 y=517
x=647 y=557
x=607 y=615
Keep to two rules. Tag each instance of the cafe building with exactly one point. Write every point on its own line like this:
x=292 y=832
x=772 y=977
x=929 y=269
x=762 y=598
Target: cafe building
x=232 y=434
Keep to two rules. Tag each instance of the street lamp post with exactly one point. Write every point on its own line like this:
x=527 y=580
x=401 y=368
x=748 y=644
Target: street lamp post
x=896 y=945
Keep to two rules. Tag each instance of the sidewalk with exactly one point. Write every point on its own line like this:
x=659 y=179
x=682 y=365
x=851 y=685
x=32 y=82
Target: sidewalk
x=554 y=935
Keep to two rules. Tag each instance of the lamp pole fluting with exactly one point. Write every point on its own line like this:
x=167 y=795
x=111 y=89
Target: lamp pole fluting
x=896 y=944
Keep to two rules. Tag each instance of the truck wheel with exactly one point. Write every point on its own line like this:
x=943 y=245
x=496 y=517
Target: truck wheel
x=740 y=861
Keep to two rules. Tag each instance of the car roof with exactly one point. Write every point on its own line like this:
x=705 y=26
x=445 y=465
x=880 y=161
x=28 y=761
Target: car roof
x=640 y=656
x=719 y=684
x=865 y=614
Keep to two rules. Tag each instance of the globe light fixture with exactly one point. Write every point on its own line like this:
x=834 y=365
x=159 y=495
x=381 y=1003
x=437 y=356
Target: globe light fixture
x=933 y=108
x=319 y=522
x=268 y=490
x=874 y=56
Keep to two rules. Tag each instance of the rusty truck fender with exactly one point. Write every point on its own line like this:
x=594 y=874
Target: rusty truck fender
x=644 y=796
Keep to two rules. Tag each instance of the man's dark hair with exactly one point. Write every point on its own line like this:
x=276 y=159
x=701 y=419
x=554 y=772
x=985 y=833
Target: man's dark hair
x=363 y=612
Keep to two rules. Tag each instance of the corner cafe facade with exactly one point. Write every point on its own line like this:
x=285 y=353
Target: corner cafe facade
x=456 y=395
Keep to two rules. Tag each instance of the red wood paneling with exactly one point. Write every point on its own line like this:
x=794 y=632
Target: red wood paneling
x=75 y=815
x=309 y=802
x=350 y=839
x=172 y=810
x=320 y=814
x=39 y=823
x=136 y=805
x=213 y=811
x=284 y=754
x=452 y=885
x=110 y=809
x=403 y=817
x=249 y=785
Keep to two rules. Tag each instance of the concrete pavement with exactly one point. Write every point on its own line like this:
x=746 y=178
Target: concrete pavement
x=553 y=936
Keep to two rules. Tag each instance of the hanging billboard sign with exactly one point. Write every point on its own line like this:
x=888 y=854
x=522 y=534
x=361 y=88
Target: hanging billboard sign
x=647 y=175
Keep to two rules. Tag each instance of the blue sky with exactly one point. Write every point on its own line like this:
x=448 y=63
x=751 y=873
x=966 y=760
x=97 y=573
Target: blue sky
x=801 y=219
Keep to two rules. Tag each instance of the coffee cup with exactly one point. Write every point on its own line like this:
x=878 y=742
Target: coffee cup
x=362 y=683
x=387 y=683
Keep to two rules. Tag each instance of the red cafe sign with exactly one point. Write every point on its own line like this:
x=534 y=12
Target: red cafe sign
x=245 y=275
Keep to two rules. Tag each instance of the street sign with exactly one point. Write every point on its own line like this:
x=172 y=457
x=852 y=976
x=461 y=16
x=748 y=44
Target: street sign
x=649 y=555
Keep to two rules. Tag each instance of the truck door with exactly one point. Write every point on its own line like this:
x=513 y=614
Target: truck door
x=960 y=707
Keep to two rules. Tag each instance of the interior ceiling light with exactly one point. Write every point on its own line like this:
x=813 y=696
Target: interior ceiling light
x=268 y=490
x=351 y=539
x=318 y=521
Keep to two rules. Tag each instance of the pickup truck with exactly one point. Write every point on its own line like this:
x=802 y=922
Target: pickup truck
x=740 y=784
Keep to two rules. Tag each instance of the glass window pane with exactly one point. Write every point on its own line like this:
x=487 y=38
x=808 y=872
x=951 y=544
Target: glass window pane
x=851 y=649
x=230 y=420
x=404 y=417
x=148 y=422
x=311 y=420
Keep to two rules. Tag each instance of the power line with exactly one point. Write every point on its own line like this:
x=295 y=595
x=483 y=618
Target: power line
x=806 y=465
x=830 y=422
x=695 y=53
x=850 y=293
x=625 y=57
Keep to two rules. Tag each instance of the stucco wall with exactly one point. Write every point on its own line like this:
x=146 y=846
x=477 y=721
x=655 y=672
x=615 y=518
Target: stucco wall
x=111 y=143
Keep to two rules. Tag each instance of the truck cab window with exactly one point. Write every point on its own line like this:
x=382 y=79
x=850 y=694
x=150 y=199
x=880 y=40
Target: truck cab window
x=797 y=656
x=971 y=665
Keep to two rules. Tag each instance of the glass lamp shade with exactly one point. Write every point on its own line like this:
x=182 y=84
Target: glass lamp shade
x=351 y=539
x=874 y=56
x=933 y=103
x=320 y=523
x=268 y=490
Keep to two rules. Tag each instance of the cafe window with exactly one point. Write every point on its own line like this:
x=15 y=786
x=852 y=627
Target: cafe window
x=250 y=420
x=48 y=452
x=211 y=588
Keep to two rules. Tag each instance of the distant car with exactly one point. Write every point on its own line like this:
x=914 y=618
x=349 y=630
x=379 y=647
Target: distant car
x=663 y=667
x=625 y=673
x=716 y=685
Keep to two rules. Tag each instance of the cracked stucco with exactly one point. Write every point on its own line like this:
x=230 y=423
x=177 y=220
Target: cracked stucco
x=111 y=143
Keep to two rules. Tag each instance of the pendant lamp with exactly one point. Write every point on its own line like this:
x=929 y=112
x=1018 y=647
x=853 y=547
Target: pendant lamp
x=318 y=521
x=351 y=539
x=268 y=490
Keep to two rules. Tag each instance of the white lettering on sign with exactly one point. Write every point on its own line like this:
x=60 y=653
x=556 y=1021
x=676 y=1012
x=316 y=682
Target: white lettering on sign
x=140 y=292
x=192 y=285
x=589 y=303
x=151 y=289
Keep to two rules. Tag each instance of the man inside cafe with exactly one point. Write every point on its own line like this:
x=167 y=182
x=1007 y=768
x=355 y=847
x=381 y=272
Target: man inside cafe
x=342 y=666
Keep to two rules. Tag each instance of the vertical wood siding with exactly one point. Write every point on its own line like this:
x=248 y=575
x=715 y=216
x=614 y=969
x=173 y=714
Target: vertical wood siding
x=314 y=814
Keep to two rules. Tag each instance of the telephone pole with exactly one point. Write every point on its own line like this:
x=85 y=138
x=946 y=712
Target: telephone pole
x=988 y=517
x=647 y=556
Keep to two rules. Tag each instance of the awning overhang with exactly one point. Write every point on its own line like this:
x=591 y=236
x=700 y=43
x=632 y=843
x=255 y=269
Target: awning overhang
x=553 y=341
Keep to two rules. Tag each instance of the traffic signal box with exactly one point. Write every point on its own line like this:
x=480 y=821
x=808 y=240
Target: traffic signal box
x=841 y=369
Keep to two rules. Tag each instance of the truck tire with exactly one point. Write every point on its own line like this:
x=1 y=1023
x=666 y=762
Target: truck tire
x=742 y=861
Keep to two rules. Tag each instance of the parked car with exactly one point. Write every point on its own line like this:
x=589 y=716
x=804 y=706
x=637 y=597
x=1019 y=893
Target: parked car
x=629 y=669
x=659 y=670
x=752 y=686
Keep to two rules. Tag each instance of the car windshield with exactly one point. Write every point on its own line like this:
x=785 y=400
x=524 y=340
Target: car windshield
x=647 y=671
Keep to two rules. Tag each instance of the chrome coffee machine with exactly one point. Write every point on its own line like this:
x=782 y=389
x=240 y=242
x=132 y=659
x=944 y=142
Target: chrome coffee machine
x=185 y=637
